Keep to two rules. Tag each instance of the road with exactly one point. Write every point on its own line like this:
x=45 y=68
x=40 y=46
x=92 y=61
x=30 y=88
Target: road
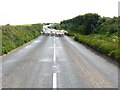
x=57 y=62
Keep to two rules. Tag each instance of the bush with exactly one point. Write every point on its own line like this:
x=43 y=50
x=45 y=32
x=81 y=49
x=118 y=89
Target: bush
x=101 y=45
x=15 y=36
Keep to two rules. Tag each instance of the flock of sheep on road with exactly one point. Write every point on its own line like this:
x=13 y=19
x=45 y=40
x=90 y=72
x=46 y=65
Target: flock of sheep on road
x=53 y=32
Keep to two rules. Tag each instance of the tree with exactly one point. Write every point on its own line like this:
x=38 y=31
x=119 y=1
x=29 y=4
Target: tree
x=90 y=20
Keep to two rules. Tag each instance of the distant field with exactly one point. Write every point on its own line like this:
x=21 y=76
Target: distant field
x=26 y=25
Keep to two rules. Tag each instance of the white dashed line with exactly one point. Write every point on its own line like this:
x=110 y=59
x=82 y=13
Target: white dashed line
x=54 y=66
x=54 y=80
x=54 y=57
x=54 y=53
x=54 y=45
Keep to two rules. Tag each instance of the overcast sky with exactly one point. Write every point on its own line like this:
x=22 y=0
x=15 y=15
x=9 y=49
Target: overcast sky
x=38 y=11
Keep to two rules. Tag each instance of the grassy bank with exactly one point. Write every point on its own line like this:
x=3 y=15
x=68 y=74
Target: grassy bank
x=101 y=43
x=15 y=36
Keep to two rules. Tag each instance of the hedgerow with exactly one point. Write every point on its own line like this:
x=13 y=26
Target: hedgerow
x=15 y=36
x=99 y=33
x=105 y=47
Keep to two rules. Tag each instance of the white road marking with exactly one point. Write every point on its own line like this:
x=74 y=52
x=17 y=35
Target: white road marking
x=54 y=66
x=54 y=39
x=36 y=41
x=44 y=60
x=59 y=47
x=9 y=61
x=54 y=53
x=21 y=51
x=54 y=80
x=54 y=74
x=54 y=56
x=28 y=46
x=54 y=45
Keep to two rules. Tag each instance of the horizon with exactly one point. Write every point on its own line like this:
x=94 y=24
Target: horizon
x=52 y=22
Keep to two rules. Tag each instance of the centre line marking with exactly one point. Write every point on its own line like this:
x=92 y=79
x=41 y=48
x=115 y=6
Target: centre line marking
x=54 y=58
x=54 y=53
x=54 y=45
x=54 y=74
x=54 y=80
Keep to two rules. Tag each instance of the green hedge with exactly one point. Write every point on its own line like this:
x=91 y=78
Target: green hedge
x=15 y=36
x=104 y=46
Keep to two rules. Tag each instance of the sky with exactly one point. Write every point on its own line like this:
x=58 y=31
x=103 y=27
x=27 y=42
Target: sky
x=16 y=12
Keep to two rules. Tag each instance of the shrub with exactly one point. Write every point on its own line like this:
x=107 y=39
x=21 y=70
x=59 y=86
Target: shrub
x=15 y=36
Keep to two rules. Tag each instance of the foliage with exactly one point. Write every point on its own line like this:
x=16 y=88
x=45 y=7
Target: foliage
x=102 y=43
x=56 y=26
x=99 y=33
x=15 y=36
x=91 y=24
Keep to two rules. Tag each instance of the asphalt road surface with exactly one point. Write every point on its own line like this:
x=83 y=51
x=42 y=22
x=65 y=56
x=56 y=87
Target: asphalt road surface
x=57 y=62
